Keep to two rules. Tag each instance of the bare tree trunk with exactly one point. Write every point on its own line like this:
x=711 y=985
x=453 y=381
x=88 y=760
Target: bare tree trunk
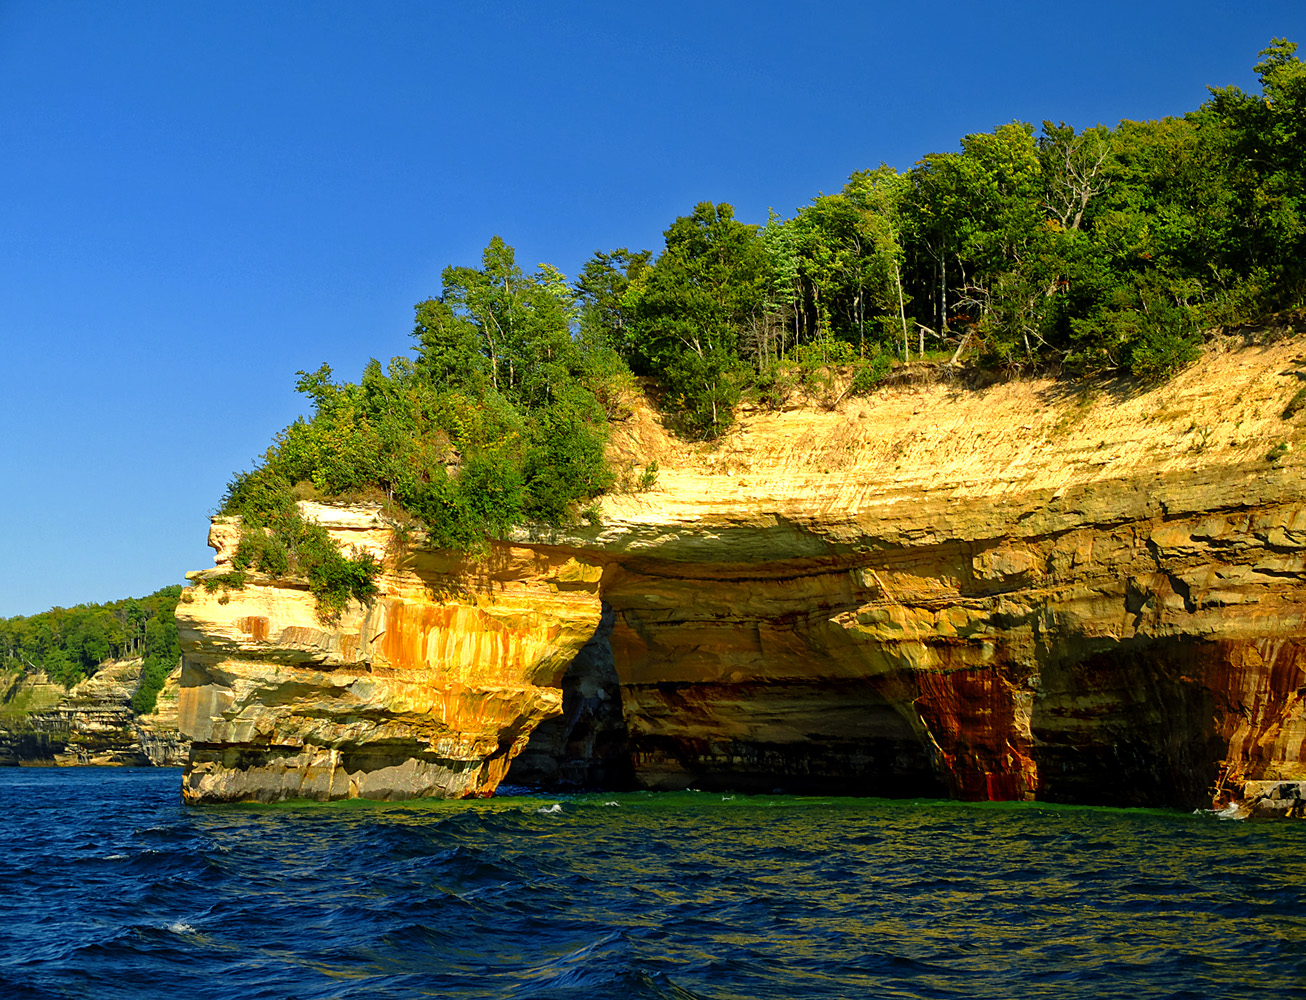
x=960 y=347
x=902 y=308
x=861 y=321
x=943 y=294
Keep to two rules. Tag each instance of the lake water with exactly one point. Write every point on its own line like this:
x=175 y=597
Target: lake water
x=110 y=888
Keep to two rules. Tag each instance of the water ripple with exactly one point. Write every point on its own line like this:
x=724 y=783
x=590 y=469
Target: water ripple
x=109 y=888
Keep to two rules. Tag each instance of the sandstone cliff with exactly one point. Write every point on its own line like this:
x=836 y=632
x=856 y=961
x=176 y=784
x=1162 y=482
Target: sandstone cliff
x=1032 y=590
x=430 y=690
x=42 y=723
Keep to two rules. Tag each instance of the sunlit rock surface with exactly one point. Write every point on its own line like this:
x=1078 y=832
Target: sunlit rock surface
x=428 y=691
x=1027 y=591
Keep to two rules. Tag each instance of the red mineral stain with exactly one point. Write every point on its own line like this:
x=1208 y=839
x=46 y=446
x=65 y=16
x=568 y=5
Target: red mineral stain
x=1256 y=687
x=971 y=714
x=255 y=627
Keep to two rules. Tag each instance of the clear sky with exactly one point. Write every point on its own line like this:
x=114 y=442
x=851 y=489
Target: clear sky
x=199 y=199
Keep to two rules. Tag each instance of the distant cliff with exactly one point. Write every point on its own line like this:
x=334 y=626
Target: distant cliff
x=42 y=723
x=1034 y=590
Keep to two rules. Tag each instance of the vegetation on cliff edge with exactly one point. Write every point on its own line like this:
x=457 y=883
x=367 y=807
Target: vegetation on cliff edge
x=500 y=418
x=1097 y=250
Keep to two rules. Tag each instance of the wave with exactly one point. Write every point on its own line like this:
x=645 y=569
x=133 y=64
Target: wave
x=114 y=891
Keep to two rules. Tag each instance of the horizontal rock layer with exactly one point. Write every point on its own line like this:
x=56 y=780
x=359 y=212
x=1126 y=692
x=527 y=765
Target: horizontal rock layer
x=42 y=723
x=1027 y=591
x=430 y=690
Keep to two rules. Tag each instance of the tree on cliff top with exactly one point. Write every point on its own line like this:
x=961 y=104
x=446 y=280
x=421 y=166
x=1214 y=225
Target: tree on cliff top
x=1090 y=251
x=496 y=421
x=690 y=309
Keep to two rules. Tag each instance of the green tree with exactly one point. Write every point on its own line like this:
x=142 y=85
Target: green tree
x=879 y=196
x=605 y=319
x=70 y=644
x=496 y=420
x=783 y=293
x=691 y=309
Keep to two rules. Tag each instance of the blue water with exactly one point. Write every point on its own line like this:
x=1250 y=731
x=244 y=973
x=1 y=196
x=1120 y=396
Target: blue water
x=110 y=888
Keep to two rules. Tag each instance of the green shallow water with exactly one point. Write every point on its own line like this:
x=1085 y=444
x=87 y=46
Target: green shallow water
x=112 y=889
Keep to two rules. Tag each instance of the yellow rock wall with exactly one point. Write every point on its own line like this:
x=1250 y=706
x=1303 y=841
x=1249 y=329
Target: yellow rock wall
x=1032 y=590
x=430 y=690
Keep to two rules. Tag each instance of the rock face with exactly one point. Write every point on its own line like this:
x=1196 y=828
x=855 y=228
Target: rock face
x=431 y=690
x=41 y=723
x=1029 y=591
x=160 y=738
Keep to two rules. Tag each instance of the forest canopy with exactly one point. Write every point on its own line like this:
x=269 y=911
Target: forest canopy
x=1085 y=251
x=70 y=644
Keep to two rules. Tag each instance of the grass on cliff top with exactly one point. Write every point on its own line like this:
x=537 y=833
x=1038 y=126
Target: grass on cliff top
x=277 y=540
x=21 y=700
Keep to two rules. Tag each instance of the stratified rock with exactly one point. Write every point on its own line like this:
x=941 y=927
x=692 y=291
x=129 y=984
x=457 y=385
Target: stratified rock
x=90 y=724
x=1020 y=592
x=158 y=734
x=429 y=690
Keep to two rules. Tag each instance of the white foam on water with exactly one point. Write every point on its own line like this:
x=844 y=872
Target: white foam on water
x=550 y=810
x=1234 y=810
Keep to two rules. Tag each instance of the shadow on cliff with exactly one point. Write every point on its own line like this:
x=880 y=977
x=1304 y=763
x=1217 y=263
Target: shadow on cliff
x=1132 y=726
x=587 y=746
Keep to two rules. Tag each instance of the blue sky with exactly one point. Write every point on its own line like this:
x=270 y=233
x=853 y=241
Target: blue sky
x=199 y=199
